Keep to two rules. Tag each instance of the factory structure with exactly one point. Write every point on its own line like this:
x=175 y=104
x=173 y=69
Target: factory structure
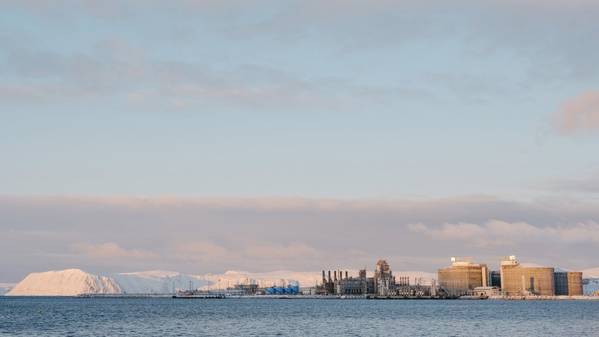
x=383 y=284
x=513 y=279
x=462 y=279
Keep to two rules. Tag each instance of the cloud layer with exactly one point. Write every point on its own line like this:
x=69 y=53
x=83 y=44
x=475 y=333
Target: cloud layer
x=200 y=235
x=110 y=250
x=501 y=233
x=128 y=69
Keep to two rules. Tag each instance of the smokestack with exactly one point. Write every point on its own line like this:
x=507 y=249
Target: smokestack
x=346 y=277
x=330 y=277
x=335 y=274
x=324 y=279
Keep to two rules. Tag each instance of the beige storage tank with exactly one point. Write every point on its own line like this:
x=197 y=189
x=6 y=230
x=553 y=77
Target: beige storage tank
x=519 y=280
x=462 y=277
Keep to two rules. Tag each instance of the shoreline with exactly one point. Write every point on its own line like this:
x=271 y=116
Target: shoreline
x=315 y=297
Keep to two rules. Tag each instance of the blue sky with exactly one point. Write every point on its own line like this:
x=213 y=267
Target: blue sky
x=280 y=98
x=313 y=99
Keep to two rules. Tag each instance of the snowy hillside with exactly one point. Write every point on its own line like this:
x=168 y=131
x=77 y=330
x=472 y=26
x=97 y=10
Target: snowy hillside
x=267 y=279
x=69 y=282
x=156 y=281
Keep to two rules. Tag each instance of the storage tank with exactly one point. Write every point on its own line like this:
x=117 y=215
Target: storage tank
x=462 y=277
x=526 y=279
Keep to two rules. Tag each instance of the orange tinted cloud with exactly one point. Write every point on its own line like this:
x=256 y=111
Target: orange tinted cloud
x=110 y=250
x=580 y=113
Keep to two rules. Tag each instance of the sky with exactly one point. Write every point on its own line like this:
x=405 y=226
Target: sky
x=203 y=136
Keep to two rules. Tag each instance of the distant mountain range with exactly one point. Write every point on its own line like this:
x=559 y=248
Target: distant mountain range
x=72 y=282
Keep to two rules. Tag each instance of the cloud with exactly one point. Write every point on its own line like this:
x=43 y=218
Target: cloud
x=291 y=251
x=131 y=73
x=203 y=235
x=110 y=250
x=584 y=184
x=202 y=251
x=501 y=233
x=117 y=69
x=580 y=113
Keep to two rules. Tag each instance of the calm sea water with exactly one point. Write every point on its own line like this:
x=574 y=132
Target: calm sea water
x=264 y=317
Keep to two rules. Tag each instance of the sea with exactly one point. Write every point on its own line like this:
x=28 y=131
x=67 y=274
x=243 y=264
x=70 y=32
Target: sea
x=54 y=316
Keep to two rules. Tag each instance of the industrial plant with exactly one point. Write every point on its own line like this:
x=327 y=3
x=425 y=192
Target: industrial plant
x=463 y=279
x=383 y=284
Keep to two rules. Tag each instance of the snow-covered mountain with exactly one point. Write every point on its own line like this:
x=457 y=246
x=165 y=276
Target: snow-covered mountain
x=157 y=281
x=69 y=282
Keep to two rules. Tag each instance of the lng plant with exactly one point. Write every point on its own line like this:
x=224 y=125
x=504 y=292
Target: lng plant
x=462 y=279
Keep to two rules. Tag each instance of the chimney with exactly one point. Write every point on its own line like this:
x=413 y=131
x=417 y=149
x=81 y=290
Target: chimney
x=330 y=277
x=335 y=274
x=346 y=276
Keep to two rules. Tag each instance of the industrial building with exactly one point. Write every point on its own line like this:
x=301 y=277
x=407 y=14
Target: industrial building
x=348 y=285
x=462 y=277
x=568 y=283
x=384 y=281
x=382 y=285
x=524 y=280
